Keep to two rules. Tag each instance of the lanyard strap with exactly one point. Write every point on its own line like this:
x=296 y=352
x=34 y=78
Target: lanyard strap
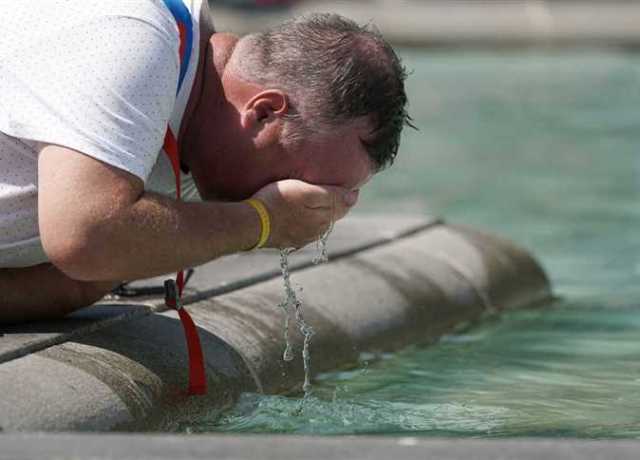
x=197 y=375
x=183 y=20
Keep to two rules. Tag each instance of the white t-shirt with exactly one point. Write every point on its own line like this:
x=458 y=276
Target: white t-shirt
x=99 y=77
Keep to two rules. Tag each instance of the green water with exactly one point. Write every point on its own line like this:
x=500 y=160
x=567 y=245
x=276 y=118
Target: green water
x=542 y=148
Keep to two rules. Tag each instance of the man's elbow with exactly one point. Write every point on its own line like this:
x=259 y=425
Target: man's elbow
x=78 y=253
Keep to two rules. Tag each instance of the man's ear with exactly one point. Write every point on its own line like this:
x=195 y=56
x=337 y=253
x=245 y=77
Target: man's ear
x=264 y=107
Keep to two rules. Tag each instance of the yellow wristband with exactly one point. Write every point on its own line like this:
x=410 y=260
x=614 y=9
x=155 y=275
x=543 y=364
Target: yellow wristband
x=265 y=221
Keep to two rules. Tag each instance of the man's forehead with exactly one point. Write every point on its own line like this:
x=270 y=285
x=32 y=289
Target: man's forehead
x=339 y=158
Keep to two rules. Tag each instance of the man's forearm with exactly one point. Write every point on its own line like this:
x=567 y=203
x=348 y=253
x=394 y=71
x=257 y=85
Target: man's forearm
x=158 y=235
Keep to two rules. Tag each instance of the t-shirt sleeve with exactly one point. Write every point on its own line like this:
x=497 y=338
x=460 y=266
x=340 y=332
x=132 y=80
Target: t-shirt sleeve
x=105 y=87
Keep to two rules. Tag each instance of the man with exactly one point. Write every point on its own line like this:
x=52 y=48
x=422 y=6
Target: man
x=299 y=117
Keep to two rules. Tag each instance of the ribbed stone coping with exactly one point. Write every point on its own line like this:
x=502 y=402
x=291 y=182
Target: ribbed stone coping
x=406 y=285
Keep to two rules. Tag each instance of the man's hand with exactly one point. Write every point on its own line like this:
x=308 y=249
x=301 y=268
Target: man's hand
x=301 y=212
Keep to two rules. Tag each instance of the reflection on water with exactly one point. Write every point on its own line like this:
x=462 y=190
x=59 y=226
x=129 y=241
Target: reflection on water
x=542 y=148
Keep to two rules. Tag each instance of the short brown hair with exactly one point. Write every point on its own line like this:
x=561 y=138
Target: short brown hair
x=335 y=71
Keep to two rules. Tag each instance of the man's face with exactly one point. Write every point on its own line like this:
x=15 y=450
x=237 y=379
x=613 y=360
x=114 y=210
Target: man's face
x=338 y=159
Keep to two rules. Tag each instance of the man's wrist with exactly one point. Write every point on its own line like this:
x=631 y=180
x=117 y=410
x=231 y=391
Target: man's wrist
x=241 y=228
x=264 y=221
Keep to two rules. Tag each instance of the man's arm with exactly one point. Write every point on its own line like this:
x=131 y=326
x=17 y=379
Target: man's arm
x=98 y=224
x=44 y=292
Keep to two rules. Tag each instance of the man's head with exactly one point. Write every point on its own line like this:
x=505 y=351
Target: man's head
x=319 y=99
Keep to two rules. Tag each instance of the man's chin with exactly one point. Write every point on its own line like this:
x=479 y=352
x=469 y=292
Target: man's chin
x=220 y=197
x=215 y=197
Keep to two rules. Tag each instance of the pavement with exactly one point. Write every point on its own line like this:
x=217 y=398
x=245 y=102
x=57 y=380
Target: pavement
x=468 y=23
x=142 y=447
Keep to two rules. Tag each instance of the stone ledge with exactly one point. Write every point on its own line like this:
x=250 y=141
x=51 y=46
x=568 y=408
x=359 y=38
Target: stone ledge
x=134 y=447
x=130 y=375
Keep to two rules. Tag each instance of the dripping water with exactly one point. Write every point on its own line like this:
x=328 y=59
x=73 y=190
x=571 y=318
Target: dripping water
x=292 y=302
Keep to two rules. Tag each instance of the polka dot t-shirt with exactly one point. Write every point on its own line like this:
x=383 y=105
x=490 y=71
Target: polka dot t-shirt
x=99 y=77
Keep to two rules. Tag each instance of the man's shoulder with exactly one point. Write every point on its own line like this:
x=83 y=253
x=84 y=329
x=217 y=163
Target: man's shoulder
x=26 y=23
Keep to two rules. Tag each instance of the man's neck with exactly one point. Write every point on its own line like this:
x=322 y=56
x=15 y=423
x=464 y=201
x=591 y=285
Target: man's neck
x=207 y=30
x=207 y=96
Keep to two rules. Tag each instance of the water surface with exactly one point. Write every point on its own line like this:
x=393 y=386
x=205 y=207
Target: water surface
x=541 y=147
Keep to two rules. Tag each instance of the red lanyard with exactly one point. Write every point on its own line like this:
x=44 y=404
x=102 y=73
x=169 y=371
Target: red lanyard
x=197 y=375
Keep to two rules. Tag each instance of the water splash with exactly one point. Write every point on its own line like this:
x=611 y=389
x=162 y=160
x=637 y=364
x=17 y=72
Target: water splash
x=292 y=302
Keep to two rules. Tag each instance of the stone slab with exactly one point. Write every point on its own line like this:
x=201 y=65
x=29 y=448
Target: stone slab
x=143 y=447
x=229 y=273
x=350 y=235
x=22 y=339
x=132 y=374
